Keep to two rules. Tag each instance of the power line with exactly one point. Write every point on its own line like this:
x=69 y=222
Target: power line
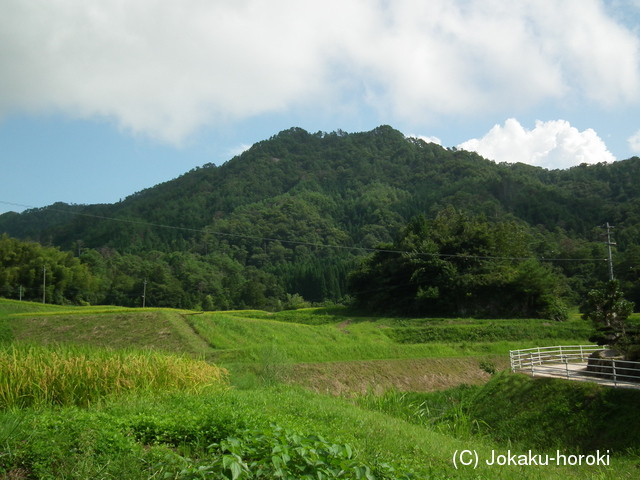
x=303 y=243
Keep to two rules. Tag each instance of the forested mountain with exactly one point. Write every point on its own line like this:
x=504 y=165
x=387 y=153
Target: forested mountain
x=297 y=212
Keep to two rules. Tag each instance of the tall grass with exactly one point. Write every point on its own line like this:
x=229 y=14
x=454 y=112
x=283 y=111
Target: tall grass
x=33 y=375
x=441 y=411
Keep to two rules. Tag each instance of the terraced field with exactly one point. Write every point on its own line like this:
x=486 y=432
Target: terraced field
x=386 y=398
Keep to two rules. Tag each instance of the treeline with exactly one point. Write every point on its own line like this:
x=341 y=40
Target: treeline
x=453 y=265
x=32 y=272
x=105 y=276
x=456 y=265
x=296 y=213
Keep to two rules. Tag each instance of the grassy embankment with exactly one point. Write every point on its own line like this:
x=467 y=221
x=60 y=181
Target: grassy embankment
x=322 y=349
x=137 y=435
x=330 y=351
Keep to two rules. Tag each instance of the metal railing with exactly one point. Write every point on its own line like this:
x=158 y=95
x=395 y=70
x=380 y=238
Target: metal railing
x=573 y=363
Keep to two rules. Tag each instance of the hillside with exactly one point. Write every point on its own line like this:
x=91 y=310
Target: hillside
x=371 y=174
x=292 y=214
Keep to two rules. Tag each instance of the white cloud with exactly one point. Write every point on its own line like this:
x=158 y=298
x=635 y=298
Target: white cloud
x=553 y=144
x=427 y=139
x=232 y=152
x=165 y=69
x=634 y=141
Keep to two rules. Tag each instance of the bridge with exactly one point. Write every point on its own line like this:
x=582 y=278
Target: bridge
x=570 y=362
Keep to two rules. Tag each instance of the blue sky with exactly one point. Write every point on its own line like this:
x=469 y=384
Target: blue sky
x=99 y=100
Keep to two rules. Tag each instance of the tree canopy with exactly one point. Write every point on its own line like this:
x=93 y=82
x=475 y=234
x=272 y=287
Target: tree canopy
x=455 y=265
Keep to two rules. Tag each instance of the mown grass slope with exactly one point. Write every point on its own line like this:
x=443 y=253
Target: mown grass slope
x=311 y=335
x=317 y=335
x=162 y=329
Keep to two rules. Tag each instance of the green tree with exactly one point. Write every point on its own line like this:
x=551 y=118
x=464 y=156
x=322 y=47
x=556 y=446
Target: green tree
x=456 y=265
x=609 y=311
x=28 y=267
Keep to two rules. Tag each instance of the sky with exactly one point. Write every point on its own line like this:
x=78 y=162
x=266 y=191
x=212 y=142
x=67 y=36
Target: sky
x=99 y=100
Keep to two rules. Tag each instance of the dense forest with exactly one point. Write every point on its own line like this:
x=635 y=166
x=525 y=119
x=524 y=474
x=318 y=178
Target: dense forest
x=336 y=217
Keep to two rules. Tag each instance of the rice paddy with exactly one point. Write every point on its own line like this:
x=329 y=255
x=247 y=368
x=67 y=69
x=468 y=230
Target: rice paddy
x=37 y=375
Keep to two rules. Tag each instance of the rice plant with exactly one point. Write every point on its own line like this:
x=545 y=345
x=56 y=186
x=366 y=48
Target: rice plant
x=33 y=375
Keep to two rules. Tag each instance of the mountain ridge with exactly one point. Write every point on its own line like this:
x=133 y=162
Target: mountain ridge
x=292 y=143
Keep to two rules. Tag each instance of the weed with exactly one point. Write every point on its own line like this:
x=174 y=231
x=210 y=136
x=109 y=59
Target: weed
x=273 y=452
x=488 y=367
x=441 y=411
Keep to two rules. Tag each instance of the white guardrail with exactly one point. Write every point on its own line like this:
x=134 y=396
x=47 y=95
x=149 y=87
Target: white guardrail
x=573 y=363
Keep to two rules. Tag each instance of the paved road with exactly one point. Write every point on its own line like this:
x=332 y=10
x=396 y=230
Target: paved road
x=572 y=371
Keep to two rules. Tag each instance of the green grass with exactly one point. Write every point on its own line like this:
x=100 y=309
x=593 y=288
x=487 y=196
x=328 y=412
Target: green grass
x=490 y=332
x=239 y=337
x=308 y=335
x=157 y=329
x=546 y=413
x=261 y=348
x=141 y=418
x=143 y=437
x=442 y=411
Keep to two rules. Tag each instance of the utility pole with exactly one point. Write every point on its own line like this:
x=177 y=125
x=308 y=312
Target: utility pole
x=609 y=243
x=144 y=292
x=44 y=284
x=20 y=292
